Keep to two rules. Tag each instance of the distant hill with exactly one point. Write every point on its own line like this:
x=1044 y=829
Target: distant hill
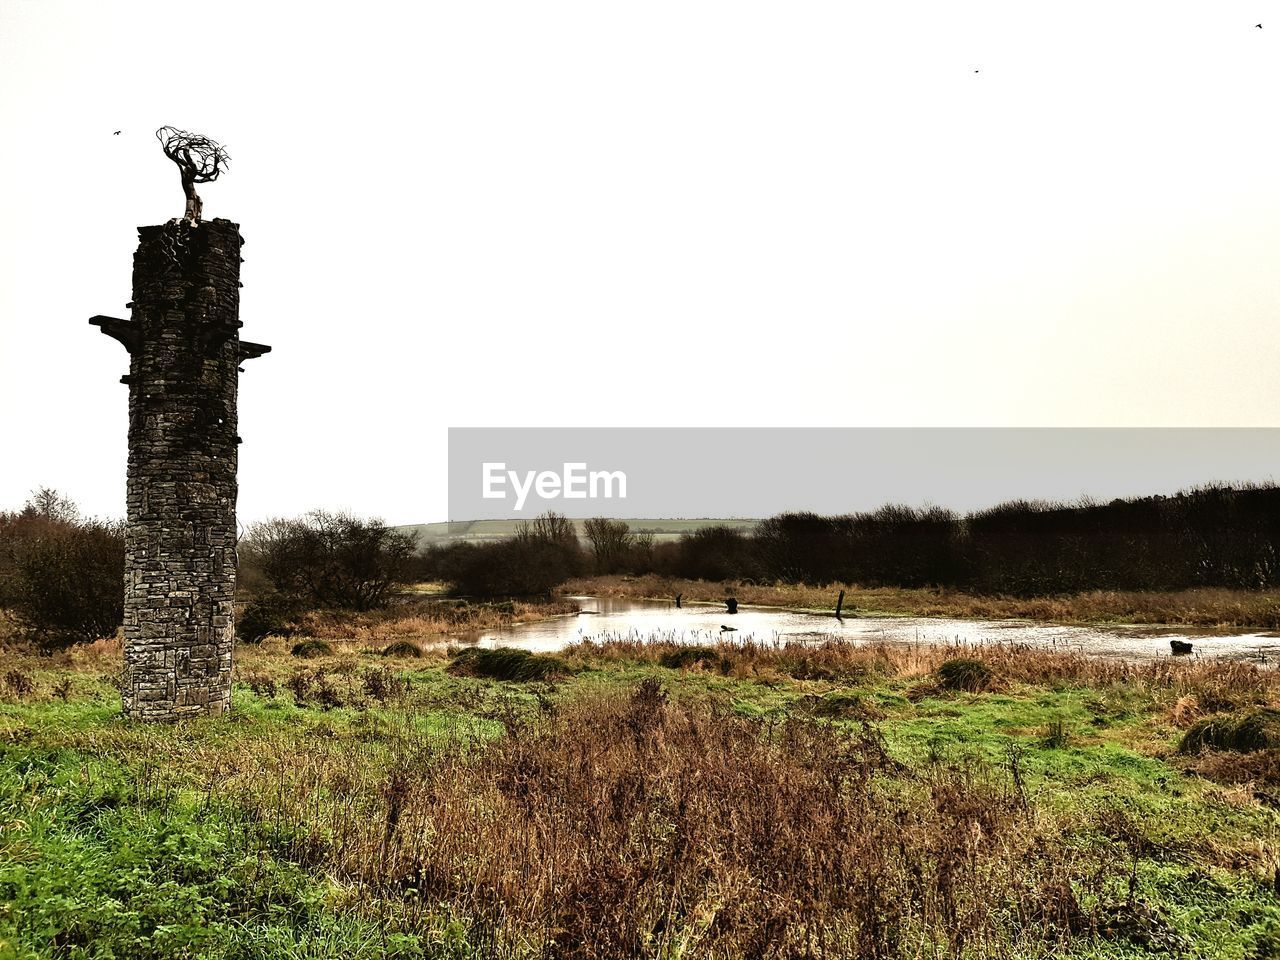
x=479 y=531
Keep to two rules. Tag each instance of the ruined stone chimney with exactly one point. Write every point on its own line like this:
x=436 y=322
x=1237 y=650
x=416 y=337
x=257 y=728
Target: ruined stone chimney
x=180 y=562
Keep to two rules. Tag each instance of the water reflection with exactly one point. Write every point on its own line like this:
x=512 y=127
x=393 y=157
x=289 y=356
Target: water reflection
x=605 y=618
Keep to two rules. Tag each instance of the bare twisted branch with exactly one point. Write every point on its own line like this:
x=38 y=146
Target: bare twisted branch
x=200 y=160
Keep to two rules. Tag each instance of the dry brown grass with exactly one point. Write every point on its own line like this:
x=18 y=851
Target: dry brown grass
x=1208 y=607
x=628 y=825
x=423 y=619
x=1211 y=684
x=1256 y=775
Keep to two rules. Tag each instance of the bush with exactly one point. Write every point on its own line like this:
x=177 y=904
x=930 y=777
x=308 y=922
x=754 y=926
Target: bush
x=843 y=705
x=1245 y=732
x=266 y=616
x=690 y=656
x=402 y=648
x=314 y=689
x=969 y=676
x=506 y=663
x=19 y=684
x=330 y=559
x=716 y=553
x=310 y=649
x=384 y=684
x=63 y=577
x=541 y=556
x=1056 y=735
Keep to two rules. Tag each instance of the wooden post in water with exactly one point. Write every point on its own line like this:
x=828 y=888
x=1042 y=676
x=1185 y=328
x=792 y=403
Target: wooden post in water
x=839 y=604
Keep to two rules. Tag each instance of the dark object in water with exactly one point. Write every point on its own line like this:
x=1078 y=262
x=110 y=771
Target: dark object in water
x=581 y=612
x=724 y=629
x=679 y=596
x=839 y=604
x=732 y=604
x=1180 y=648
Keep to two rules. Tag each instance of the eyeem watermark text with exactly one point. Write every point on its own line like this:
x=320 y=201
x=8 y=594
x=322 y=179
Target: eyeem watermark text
x=574 y=482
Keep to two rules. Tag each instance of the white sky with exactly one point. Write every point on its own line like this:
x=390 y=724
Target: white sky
x=645 y=214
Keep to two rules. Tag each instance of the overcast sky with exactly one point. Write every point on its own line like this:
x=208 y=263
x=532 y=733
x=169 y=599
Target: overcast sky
x=645 y=214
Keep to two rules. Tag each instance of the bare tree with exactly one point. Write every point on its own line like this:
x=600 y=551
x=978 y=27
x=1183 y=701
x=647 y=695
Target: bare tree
x=48 y=504
x=610 y=540
x=550 y=527
x=200 y=159
x=642 y=549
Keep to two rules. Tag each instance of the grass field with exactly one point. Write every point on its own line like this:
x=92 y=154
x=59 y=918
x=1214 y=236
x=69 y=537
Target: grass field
x=644 y=800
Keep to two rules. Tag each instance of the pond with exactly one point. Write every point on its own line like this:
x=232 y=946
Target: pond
x=606 y=618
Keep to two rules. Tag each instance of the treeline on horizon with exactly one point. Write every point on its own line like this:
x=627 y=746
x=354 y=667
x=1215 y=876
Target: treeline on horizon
x=62 y=574
x=1212 y=536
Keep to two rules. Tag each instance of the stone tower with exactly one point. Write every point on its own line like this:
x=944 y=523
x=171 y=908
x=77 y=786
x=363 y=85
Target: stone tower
x=185 y=353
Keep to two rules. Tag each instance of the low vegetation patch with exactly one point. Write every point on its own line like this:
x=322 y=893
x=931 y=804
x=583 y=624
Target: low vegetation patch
x=310 y=649
x=1214 y=685
x=415 y=619
x=402 y=648
x=846 y=705
x=1244 y=731
x=266 y=616
x=692 y=656
x=965 y=675
x=507 y=663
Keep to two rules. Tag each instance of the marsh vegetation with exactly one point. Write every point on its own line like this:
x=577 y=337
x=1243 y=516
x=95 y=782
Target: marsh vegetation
x=380 y=791
x=628 y=799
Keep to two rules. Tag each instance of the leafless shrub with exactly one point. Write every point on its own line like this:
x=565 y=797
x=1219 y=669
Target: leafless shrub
x=383 y=684
x=19 y=684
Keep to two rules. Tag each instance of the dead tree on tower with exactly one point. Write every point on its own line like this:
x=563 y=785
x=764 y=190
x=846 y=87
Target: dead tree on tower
x=200 y=159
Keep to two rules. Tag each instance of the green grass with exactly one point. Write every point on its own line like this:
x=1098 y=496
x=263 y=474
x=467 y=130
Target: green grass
x=100 y=859
x=120 y=840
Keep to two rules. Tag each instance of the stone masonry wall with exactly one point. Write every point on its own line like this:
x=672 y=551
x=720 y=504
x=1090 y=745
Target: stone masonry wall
x=180 y=564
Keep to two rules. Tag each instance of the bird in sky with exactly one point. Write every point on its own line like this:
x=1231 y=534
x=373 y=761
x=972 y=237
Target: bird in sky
x=1258 y=26
x=116 y=134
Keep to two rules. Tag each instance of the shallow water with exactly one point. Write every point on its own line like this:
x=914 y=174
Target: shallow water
x=605 y=618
